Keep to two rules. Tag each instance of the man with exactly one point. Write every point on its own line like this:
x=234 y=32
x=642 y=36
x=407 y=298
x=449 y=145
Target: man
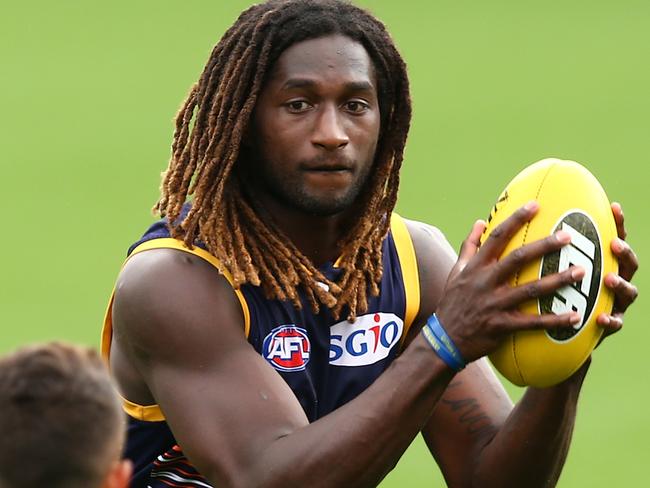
x=61 y=421
x=268 y=334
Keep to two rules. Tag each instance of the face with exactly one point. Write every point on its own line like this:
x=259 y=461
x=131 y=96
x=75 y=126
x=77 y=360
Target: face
x=316 y=125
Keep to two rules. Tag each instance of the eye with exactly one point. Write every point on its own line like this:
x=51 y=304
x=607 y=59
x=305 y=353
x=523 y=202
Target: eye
x=356 y=106
x=297 y=106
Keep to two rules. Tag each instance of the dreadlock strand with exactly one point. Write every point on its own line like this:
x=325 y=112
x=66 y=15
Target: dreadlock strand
x=221 y=106
x=204 y=154
x=231 y=154
x=362 y=295
x=183 y=119
x=312 y=299
x=243 y=256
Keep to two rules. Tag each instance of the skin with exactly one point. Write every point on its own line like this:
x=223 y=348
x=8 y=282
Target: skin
x=118 y=475
x=178 y=329
x=322 y=174
x=315 y=128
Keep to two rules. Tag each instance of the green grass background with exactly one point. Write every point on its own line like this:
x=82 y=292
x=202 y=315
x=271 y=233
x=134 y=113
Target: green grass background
x=88 y=91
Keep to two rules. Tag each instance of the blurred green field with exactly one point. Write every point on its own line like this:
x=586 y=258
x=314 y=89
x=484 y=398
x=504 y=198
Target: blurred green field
x=88 y=91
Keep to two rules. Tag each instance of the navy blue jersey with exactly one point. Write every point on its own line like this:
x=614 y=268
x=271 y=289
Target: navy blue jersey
x=326 y=362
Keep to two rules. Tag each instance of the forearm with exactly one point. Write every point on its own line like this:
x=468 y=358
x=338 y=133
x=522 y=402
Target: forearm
x=532 y=445
x=359 y=443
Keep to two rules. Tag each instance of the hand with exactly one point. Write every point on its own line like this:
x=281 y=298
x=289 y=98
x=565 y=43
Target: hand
x=479 y=306
x=625 y=292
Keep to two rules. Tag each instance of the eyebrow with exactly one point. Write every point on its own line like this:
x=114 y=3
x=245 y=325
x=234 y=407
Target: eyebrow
x=309 y=83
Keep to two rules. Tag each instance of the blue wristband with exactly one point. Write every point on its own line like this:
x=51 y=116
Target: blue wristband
x=440 y=349
x=440 y=334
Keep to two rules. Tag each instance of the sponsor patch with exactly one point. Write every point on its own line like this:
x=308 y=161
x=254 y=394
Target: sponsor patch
x=368 y=340
x=287 y=348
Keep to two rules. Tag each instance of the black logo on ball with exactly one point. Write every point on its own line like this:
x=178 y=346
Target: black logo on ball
x=584 y=251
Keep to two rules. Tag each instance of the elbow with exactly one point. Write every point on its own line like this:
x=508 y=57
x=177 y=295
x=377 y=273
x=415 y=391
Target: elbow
x=224 y=474
x=236 y=476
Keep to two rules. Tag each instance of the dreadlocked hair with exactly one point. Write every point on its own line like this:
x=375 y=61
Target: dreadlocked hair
x=207 y=138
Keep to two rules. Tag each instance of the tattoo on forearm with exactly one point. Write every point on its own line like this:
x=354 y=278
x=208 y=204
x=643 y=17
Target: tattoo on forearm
x=477 y=422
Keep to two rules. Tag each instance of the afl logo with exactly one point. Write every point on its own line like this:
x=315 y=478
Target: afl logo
x=584 y=251
x=287 y=348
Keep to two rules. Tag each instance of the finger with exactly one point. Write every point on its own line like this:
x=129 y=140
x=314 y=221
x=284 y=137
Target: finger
x=619 y=218
x=470 y=245
x=624 y=291
x=547 y=321
x=500 y=236
x=610 y=323
x=544 y=286
x=628 y=263
x=524 y=254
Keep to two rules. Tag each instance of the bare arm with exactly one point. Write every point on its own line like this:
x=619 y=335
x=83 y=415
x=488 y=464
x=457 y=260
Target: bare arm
x=476 y=435
x=178 y=323
x=495 y=444
x=179 y=342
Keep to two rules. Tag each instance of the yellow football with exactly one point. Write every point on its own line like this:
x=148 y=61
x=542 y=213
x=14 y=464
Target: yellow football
x=570 y=198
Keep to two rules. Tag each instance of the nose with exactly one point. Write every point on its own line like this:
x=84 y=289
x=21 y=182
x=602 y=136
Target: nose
x=328 y=132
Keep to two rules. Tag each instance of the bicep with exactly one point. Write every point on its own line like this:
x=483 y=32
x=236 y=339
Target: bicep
x=182 y=328
x=226 y=409
x=435 y=259
x=467 y=416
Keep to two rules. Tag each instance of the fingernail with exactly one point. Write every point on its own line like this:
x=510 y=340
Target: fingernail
x=575 y=318
x=577 y=272
x=613 y=279
x=617 y=244
x=532 y=205
x=563 y=236
x=620 y=208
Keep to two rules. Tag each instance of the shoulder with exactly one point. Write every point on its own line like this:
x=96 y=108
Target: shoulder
x=435 y=258
x=429 y=239
x=167 y=300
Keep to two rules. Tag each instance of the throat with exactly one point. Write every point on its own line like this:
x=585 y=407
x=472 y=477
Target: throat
x=318 y=237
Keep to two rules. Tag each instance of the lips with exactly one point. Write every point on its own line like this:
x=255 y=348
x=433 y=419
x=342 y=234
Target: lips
x=327 y=169
x=326 y=166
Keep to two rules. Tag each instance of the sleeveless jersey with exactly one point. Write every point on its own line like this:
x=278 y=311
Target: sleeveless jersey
x=326 y=362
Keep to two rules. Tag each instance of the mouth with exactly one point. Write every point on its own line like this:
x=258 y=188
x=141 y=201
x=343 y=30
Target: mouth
x=328 y=167
x=328 y=170
x=334 y=175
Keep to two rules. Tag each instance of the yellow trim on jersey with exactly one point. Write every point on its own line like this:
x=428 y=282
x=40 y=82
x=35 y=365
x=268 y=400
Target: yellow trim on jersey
x=152 y=413
x=148 y=413
x=410 y=275
x=107 y=329
x=171 y=243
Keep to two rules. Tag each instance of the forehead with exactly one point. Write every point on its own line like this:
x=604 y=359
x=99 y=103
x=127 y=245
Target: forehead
x=330 y=58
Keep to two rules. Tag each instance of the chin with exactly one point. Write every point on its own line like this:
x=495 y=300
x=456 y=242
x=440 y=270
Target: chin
x=326 y=209
x=324 y=206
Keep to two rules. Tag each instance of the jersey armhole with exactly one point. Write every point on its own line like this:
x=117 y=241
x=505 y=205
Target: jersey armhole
x=152 y=413
x=171 y=243
x=410 y=275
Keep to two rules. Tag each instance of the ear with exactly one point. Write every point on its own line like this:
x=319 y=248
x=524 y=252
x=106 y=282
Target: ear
x=119 y=475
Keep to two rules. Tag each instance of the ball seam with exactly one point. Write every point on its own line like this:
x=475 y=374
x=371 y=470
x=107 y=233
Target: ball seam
x=514 y=337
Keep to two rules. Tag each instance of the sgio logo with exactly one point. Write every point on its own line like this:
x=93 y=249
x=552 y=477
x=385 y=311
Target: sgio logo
x=368 y=340
x=584 y=251
x=287 y=348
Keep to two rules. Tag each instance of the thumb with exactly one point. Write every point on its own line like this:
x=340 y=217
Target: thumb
x=470 y=245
